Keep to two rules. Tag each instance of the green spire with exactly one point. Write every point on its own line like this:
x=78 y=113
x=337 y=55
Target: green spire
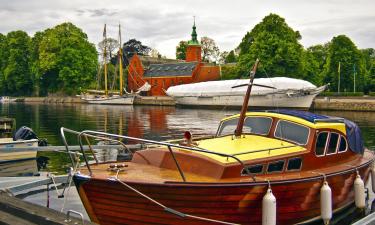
x=194 y=40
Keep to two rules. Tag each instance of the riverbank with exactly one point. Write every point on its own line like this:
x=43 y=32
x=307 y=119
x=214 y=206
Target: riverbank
x=364 y=104
x=320 y=103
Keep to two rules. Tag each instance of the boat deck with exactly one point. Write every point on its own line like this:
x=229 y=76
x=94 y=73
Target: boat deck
x=142 y=173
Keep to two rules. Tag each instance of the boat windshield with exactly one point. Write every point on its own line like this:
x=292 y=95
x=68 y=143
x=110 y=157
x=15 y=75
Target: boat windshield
x=293 y=132
x=252 y=125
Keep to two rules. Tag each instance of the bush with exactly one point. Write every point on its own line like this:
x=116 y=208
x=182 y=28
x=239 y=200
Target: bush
x=371 y=93
x=229 y=72
x=341 y=94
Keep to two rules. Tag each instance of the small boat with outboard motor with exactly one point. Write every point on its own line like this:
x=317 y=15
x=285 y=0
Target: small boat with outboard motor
x=262 y=167
x=20 y=146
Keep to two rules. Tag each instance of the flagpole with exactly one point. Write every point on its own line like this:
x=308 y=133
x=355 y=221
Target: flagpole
x=338 y=86
x=354 y=76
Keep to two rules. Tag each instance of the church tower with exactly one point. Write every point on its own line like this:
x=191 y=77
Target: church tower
x=194 y=49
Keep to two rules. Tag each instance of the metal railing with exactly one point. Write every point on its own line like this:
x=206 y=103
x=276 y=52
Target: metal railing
x=114 y=137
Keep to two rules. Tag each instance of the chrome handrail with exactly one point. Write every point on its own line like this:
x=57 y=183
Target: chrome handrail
x=109 y=136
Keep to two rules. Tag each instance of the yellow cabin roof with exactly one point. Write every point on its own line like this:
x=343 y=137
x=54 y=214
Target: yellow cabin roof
x=254 y=143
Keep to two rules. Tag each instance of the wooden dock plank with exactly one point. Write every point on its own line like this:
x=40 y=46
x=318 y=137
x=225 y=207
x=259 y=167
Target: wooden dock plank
x=12 y=207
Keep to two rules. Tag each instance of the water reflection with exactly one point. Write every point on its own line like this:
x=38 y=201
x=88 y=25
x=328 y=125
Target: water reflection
x=151 y=122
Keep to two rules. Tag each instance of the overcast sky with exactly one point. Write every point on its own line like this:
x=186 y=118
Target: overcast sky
x=162 y=24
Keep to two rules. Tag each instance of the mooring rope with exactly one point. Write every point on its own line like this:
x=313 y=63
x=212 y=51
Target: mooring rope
x=178 y=213
x=70 y=179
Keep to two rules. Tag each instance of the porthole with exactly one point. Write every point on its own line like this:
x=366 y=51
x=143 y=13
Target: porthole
x=294 y=164
x=255 y=169
x=275 y=167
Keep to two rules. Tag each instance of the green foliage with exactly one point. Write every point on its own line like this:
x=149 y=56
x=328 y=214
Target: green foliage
x=277 y=47
x=342 y=94
x=229 y=72
x=181 y=50
x=16 y=73
x=59 y=59
x=368 y=58
x=231 y=57
x=314 y=59
x=66 y=60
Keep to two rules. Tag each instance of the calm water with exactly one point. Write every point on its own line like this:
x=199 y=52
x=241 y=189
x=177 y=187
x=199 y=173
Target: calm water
x=150 y=122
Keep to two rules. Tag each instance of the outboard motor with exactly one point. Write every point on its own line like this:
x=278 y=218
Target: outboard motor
x=26 y=133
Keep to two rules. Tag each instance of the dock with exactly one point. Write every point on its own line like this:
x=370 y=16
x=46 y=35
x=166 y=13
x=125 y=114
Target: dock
x=15 y=211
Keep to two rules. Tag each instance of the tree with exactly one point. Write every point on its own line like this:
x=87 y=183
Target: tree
x=344 y=52
x=3 y=56
x=228 y=57
x=314 y=59
x=132 y=47
x=181 y=50
x=368 y=58
x=112 y=46
x=155 y=53
x=210 y=51
x=67 y=61
x=17 y=74
x=275 y=44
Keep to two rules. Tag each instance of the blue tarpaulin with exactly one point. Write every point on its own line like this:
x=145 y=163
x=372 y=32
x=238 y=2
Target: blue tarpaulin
x=354 y=136
x=353 y=133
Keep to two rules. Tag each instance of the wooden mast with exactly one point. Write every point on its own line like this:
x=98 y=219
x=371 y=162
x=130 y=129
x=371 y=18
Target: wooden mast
x=120 y=61
x=105 y=61
x=239 y=128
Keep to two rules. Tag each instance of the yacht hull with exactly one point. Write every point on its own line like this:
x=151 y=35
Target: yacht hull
x=272 y=100
x=110 y=202
x=127 y=100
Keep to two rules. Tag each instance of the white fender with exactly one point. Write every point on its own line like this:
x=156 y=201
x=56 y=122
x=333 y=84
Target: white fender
x=326 y=202
x=359 y=192
x=269 y=208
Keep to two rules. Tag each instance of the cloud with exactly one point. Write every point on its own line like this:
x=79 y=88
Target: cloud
x=163 y=24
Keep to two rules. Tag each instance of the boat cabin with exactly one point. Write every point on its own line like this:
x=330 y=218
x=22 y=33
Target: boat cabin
x=272 y=142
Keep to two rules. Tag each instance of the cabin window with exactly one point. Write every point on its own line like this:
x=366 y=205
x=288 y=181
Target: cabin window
x=294 y=164
x=227 y=127
x=342 y=145
x=252 y=169
x=257 y=125
x=332 y=144
x=252 y=125
x=321 y=143
x=275 y=167
x=292 y=132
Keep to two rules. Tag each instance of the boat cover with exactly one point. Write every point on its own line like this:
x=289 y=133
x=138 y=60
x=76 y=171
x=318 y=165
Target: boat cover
x=224 y=87
x=353 y=133
x=354 y=136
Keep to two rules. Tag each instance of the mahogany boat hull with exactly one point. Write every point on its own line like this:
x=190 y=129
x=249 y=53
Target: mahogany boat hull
x=110 y=202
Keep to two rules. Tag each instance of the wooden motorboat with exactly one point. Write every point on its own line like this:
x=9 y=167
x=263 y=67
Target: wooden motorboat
x=261 y=167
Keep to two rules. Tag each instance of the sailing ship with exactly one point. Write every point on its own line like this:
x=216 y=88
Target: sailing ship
x=262 y=167
x=115 y=99
x=287 y=93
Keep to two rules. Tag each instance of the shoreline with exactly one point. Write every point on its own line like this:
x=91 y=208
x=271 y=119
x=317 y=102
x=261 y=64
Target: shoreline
x=362 y=104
